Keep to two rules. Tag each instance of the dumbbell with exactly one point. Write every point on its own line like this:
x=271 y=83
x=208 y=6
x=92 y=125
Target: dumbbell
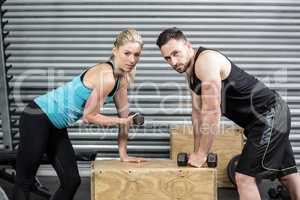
x=279 y=193
x=212 y=159
x=138 y=119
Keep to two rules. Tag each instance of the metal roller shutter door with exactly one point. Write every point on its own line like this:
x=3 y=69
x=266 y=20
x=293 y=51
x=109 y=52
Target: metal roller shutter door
x=51 y=41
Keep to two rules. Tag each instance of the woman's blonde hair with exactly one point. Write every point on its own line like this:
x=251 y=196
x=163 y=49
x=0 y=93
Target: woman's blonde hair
x=128 y=35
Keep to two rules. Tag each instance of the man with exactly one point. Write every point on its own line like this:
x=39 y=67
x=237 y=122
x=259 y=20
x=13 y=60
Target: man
x=218 y=87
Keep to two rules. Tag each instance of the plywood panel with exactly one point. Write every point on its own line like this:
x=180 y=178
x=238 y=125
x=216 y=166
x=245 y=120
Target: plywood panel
x=152 y=180
x=228 y=143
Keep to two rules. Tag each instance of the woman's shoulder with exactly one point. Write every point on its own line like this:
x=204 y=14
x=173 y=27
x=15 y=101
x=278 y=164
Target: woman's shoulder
x=101 y=73
x=100 y=67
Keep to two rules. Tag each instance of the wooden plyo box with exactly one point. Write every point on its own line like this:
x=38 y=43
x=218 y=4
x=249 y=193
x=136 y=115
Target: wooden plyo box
x=151 y=180
x=228 y=143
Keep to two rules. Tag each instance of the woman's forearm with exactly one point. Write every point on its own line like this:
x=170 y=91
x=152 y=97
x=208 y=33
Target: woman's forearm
x=104 y=120
x=122 y=140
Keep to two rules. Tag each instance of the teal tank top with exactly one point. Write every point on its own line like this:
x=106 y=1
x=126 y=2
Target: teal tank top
x=64 y=105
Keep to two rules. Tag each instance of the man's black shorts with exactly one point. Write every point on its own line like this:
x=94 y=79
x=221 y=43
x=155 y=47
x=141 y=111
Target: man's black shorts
x=268 y=151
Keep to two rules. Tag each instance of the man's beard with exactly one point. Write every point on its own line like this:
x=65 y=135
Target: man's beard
x=185 y=67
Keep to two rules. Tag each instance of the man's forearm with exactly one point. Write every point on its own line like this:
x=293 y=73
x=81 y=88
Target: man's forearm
x=204 y=132
x=196 y=131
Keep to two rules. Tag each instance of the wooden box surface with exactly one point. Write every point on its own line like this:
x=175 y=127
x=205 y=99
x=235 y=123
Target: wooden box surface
x=151 y=180
x=228 y=143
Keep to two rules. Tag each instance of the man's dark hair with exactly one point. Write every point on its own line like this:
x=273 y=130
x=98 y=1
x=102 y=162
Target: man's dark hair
x=168 y=34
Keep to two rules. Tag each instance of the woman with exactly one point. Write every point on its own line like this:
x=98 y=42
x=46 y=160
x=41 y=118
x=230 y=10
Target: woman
x=44 y=122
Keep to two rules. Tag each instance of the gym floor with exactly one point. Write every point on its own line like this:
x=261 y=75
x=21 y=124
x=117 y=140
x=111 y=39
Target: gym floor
x=83 y=192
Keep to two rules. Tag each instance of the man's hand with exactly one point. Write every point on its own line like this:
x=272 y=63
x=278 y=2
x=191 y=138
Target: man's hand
x=132 y=159
x=197 y=160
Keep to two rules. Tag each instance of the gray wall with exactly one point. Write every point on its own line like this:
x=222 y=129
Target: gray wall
x=51 y=41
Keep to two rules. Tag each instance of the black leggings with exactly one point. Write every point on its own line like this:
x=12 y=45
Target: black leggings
x=38 y=136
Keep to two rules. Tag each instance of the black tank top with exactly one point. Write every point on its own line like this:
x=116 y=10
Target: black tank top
x=244 y=97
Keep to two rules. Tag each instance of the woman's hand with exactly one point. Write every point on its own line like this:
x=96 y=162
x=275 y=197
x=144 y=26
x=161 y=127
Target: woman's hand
x=128 y=121
x=132 y=159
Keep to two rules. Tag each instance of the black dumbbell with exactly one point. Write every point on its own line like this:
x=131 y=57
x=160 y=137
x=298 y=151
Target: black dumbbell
x=279 y=193
x=138 y=119
x=273 y=193
x=212 y=159
x=182 y=159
